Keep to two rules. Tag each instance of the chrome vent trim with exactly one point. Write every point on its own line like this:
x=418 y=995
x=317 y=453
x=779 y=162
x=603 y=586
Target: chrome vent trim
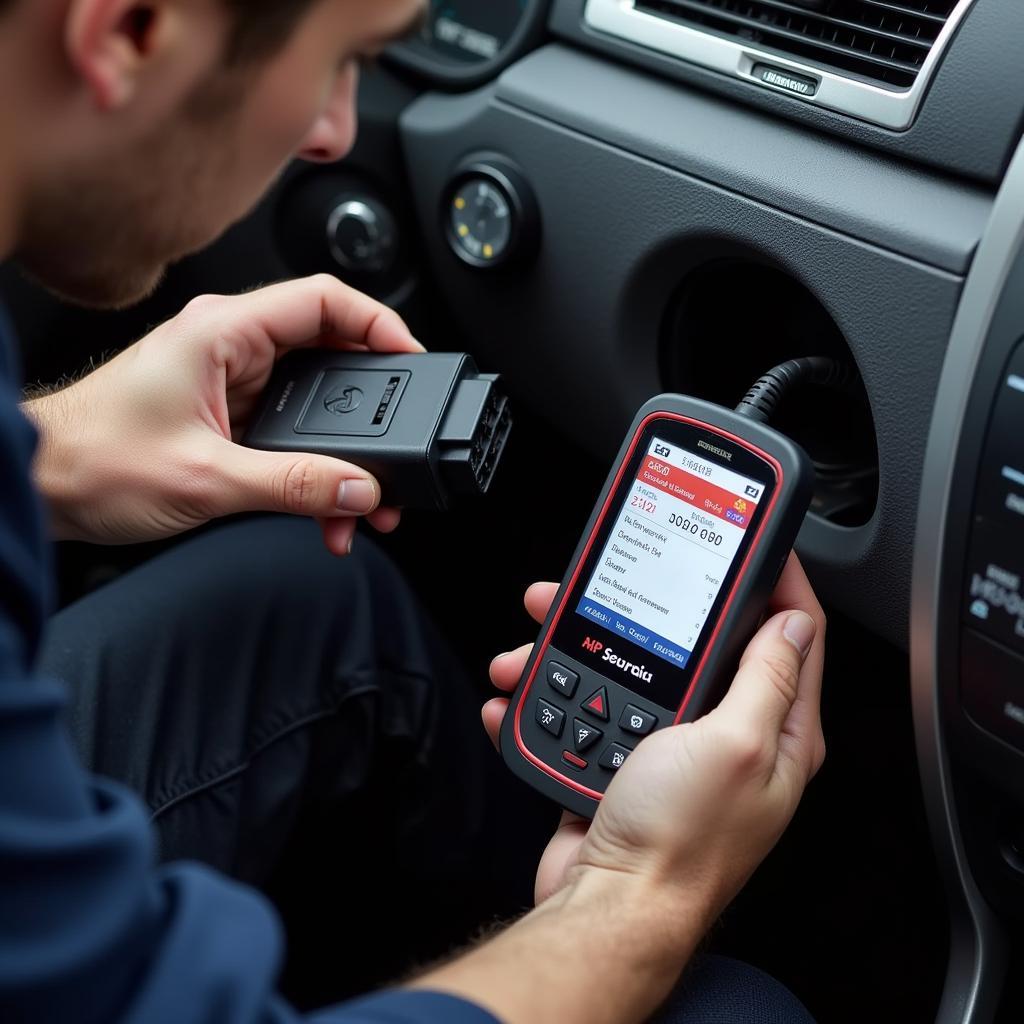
x=808 y=81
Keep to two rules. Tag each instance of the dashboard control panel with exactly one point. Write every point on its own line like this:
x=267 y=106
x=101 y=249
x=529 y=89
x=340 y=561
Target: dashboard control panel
x=967 y=636
x=992 y=652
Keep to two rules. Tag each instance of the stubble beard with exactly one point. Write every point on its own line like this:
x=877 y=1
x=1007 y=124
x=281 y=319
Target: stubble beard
x=104 y=236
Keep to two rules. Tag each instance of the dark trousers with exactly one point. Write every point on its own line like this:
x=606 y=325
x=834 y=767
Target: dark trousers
x=719 y=990
x=296 y=721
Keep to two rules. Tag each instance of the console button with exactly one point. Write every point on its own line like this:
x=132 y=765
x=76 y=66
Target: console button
x=783 y=78
x=362 y=236
x=562 y=679
x=637 y=721
x=571 y=759
x=614 y=756
x=597 y=704
x=992 y=687
x=491 y=217
x=550 y=718
x=584 y=735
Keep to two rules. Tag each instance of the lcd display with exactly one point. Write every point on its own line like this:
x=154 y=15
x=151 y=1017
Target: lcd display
x=664 y=560
x=670 y=550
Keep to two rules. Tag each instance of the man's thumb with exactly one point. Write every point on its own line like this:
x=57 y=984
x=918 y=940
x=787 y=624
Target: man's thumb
x=768 y=681
x=298 y=484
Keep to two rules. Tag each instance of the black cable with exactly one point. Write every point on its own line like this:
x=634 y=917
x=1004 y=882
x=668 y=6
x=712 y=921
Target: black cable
x=763 y=399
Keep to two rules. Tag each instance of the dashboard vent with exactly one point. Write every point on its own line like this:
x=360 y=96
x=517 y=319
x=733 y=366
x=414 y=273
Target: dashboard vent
x=875 y=40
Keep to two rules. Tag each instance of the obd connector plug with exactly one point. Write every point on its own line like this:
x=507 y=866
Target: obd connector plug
x=431 y=428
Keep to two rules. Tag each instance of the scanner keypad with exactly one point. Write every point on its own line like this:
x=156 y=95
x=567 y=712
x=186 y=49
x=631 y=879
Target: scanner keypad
x=569 y=738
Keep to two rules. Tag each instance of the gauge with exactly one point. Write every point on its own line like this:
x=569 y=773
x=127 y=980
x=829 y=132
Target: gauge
x=466 y=42
x=472 y=30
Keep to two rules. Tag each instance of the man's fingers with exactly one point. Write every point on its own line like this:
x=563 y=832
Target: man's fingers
x=794 y=592
x=768 y=681
x=318 y=310
x=506 y=669
x=245 y=480
x=385 y=520
x=493 y=713
x=339 y=535
x=538 y=600
x=807 y=744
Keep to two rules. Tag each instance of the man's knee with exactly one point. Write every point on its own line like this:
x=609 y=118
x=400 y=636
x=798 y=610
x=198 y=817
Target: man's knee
x=229 y=634
x=719 y=990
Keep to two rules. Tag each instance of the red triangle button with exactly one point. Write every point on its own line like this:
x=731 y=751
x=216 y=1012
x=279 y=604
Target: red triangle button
x=597 y=704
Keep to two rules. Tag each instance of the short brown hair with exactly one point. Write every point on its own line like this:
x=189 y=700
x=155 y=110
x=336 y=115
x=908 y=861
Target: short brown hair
x=261 y=26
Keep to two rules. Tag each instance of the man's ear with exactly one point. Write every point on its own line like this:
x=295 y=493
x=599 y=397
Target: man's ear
x=107 y=43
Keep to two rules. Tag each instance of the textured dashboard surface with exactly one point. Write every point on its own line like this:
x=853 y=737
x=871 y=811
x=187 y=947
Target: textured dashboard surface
x=854 y=190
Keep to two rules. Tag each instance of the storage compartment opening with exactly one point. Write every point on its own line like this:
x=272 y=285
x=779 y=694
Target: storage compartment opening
x=732 y=321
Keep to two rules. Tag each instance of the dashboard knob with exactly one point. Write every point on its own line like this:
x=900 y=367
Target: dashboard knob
x=361 y=236
x=489 y=214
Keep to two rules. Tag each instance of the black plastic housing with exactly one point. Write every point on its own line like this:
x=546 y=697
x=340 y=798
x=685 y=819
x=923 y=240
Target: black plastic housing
x=734 y=616
x=431 y=428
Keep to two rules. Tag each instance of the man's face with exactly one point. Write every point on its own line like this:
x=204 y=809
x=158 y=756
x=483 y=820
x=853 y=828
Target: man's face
x=101 y=230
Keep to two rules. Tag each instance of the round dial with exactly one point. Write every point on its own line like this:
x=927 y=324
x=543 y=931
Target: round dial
x=481 y=221
x=489 y=213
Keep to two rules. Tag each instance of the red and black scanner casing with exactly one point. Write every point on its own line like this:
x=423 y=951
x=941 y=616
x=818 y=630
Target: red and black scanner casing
x=601 y=707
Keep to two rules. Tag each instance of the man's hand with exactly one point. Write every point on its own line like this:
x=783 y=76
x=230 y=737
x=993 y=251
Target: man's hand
x=699 y=806
x=145 y=447
x=623 y=904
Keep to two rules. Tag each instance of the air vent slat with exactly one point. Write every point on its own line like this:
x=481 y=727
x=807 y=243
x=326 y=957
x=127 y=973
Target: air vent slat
x=923 y=42
x=876 y=40
x=823 y=32
x=938 y=19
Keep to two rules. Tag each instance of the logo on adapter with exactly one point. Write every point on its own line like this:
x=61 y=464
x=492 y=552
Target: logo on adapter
x=343 y=400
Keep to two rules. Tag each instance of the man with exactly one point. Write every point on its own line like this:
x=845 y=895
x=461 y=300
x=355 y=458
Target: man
x=133 y=133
